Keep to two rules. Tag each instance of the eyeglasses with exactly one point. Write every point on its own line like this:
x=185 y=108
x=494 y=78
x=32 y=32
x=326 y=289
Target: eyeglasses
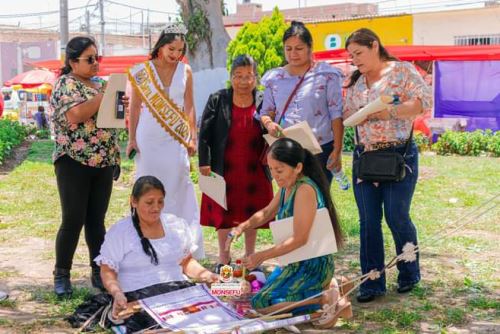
x=91 y=59
x=244 y=78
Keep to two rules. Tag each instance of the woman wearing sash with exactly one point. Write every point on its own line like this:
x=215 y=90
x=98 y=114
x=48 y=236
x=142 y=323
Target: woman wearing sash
x=163 y=125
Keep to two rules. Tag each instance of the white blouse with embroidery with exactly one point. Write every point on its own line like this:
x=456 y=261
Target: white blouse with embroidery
x=122 y=251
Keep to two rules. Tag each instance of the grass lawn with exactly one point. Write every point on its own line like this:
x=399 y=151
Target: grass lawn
x=459 y=291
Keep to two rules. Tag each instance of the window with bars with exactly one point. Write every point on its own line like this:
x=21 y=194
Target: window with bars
x=478 y=40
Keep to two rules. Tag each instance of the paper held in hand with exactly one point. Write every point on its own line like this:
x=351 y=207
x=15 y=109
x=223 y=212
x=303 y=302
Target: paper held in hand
x=106 y=117
x=381 y=103
x=214 y=186
x=302 y=133
x=321 y=238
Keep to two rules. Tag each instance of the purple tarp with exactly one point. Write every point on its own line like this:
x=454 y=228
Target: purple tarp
x=468 y=89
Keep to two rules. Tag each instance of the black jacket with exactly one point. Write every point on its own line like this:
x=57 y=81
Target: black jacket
x=214 y=128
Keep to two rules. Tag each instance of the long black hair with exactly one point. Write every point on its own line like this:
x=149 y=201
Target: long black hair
x=141 y=187
x=74 y=49
x=298 y=29
x=366 y=37
x=167 y=38
x=290 y=152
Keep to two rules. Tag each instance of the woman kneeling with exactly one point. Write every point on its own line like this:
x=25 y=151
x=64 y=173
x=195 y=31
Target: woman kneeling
x=147 y=253
x=303 y=190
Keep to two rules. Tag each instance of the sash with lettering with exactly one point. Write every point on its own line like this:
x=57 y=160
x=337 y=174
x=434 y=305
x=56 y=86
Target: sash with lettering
x=164 y=110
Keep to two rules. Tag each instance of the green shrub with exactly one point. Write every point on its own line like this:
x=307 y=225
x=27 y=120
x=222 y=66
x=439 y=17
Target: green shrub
x=349 y=139
x=422 y=141
x=42 y=134
x=123 y=135
x=262 y=41
x=469 y=143
x=11 y=135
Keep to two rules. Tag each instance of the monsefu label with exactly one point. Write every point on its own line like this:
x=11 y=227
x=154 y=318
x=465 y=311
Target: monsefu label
x=225 y=289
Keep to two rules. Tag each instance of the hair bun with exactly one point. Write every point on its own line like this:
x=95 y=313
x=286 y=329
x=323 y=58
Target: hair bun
x=297 y=23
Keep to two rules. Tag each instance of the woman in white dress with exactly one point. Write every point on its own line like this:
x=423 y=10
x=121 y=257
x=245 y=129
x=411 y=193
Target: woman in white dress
x=147 y=254
x=163 y=125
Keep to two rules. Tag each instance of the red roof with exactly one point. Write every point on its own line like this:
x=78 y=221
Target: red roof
x=423 y=52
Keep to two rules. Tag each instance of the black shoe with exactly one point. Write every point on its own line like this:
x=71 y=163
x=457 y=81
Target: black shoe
x=406 y=288
x=365 y=298
x=62 y=283
x=95 y=279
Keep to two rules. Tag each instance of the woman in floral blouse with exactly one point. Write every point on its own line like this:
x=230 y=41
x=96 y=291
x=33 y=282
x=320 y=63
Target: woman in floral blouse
x=378 y=73
x=84 y=158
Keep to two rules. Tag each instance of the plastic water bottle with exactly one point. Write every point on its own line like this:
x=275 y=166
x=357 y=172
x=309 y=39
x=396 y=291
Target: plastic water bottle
x=341 y=179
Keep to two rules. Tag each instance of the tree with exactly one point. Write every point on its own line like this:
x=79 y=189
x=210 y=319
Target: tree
x=262 y=41
x=207 y=38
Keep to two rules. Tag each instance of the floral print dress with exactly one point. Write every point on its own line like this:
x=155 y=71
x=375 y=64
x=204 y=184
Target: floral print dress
x=399 y=78
x=83 y=142
x=300 y=280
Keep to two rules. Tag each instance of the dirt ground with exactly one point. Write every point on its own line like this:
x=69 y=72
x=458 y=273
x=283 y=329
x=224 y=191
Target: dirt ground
x=26 y=267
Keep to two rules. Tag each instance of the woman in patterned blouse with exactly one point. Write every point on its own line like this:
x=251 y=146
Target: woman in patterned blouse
x=84 y=159
x=318 y=99
x=378 y=73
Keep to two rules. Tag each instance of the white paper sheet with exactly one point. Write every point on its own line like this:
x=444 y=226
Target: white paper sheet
x=302 y=133
x=106 y=114
x=321 y=238
x=381 y=103
x=214 y=186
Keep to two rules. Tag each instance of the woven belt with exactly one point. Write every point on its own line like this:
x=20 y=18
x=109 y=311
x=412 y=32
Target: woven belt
x=384 y=145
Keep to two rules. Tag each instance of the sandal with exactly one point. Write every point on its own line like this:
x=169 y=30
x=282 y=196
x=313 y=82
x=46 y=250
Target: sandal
x=336 y=307
x=345 y=287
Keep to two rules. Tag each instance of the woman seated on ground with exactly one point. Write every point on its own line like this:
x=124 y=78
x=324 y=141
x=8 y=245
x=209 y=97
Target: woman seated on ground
x=147 y=253
x=303 y=190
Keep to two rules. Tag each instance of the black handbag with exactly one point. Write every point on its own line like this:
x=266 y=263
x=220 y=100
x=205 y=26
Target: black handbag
x=385 y=165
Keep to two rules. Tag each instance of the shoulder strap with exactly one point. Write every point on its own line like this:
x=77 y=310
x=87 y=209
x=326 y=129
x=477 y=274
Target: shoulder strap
x=292 y=94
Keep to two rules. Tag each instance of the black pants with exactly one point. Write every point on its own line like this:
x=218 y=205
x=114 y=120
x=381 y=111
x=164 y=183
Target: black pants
x=84 y=193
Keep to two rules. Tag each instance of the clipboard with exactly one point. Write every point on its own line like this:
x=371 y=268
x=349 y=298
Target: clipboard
x=214 y=186
x=381 y=103
x=106 y=114
x=321 y=238
x=302 y=133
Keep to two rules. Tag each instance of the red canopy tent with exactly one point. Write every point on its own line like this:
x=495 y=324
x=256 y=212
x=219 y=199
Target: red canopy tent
x=423 y=52
x=33 y=78
x=108 y=64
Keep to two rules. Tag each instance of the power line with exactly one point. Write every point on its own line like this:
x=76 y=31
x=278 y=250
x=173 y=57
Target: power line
x=140 y=8
x=10 y=16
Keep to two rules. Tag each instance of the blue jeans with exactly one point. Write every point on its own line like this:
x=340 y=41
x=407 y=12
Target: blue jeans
x=323 y=158
x=394 y=198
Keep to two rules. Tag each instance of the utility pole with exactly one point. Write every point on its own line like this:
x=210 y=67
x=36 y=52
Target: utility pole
x=142 y=30
x=149 y=32
x=102 y=23
x=63 y=26
x=87 y=21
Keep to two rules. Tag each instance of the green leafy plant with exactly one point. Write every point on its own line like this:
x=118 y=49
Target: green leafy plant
x=262 y=41
x=349 y=139
x=422 y=141
x=11 y=135
x=198 y=27
x=469 y=143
